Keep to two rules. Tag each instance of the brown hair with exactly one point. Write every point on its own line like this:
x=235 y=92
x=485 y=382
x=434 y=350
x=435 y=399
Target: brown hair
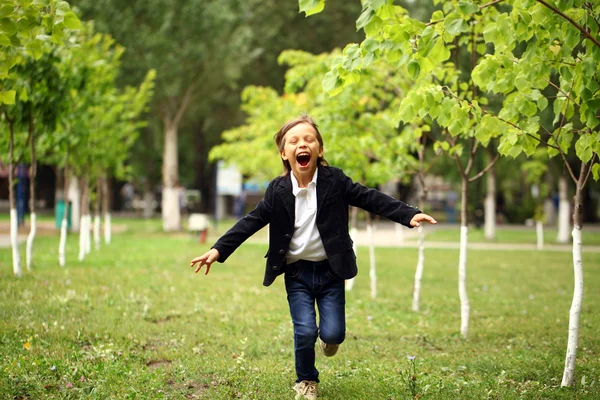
x=280 y=141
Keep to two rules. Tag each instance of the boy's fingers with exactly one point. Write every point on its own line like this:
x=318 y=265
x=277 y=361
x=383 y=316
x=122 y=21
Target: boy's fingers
x=207 y=269
x=199 y=267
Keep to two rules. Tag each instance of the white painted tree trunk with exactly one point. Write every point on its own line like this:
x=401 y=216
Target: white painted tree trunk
x=88 y=235
x=30 y=238
x=563 y=211
x=14 y=243
x=350 y=282
x=97 y=231
x=353 y=231
x=372 y=269
x=74 y=196
x=170 y=193
x=573 y=340
x=82 y=239
x=63 y=242
x=490 y=207
x=539 y=230
x=419 y=270
x=462 y=283
x=107 y=228
x=399 y=230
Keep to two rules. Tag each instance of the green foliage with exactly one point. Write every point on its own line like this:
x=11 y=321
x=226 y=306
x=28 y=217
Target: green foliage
x=534 y=55
x=359 y=125
x=28 y=29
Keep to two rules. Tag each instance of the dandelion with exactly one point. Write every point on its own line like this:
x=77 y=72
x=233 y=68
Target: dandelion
x=53 y=368
x=369 y=318
x=411 y=358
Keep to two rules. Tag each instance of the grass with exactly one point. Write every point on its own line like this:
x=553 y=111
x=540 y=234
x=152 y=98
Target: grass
x=133 y=321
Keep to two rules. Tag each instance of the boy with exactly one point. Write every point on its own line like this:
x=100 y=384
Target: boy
x=307 y=212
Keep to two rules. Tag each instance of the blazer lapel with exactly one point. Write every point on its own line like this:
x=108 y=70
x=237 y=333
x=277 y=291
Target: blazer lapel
x=285 y=191
x=324 y=183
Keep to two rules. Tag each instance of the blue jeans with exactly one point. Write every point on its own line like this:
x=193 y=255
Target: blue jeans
x=307 y=282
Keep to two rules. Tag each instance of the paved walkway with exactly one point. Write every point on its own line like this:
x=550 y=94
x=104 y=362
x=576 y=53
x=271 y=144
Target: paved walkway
x=387 y=235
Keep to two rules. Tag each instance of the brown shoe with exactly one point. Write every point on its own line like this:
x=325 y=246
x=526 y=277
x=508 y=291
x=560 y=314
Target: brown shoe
x=306 y=390
x=328 y=349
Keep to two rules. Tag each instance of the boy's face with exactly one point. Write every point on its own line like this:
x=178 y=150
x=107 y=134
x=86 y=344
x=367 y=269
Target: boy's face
x=302 y=150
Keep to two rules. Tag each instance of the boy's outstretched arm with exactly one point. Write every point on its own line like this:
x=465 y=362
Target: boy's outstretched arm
x=417 y=219
x=205 y=259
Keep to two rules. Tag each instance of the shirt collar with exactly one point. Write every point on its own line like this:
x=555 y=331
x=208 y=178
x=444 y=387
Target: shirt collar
x=296 y=189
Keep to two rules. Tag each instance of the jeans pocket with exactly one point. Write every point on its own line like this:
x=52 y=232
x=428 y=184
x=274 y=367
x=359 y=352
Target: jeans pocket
x=331 y=275
x=294 y=272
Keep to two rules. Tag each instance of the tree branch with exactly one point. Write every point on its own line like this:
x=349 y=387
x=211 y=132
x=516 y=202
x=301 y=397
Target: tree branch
x=575 y=24
x=490 y=4
x=486 y=169
x=185 y=102
x=587 y=176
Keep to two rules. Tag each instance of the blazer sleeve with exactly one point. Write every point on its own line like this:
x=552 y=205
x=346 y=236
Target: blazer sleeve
x=246 y=227
x=375 y=202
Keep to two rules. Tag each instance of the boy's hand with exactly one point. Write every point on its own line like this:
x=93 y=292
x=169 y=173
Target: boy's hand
x=206 y=259
x=422 y=218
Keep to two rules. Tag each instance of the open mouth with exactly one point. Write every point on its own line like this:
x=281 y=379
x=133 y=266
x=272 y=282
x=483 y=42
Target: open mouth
x=303 y=159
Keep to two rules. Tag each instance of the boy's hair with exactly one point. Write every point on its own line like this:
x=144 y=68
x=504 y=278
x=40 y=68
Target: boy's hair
x=280 y=141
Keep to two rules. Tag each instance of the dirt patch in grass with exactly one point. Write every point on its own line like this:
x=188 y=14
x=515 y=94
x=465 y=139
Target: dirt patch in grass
x=157 y=363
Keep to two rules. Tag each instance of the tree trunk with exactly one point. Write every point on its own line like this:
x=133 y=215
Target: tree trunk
x=148 y=199
x=65 y=221
x=421 y=256
x=32 y=175
x=84 y=228
x=170 y=193
x=539 y=229
x=490 y=206
x=106 y=210
x=563 y=210
x=372 y=269
x=97 y=213
x=14 y=227
x=462 y=263
x=419 y=270
x=74 y=195
x=573 y=340
x=353 y=231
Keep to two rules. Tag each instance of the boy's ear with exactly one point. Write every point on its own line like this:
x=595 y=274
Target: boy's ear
x=282 y=154
x=321 y=151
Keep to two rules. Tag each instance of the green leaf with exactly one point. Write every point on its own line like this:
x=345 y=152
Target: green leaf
x=596 y=171
x=7 y=97
x=71 y=21
x=331 y=82
x=8 y=26
x=6 y=10
x=308 y=6
x=414 y=69
x=365 y=18
x=455 y=24
x=4 y=40
x=583 y=148
x=467 y=8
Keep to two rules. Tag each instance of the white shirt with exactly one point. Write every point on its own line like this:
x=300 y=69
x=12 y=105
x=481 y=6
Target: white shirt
x=306 y=241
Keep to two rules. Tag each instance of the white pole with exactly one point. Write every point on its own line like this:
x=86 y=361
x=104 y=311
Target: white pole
x=350 y=282
x=97 y=231
x=107 y=228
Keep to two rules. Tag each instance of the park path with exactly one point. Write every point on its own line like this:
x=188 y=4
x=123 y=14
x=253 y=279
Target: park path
x=385 y=235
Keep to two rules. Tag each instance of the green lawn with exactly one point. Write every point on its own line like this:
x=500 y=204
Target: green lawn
x=133 y=321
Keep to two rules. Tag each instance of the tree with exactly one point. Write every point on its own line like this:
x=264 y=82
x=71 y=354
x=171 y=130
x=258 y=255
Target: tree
x=540 y=51
x=25 y=28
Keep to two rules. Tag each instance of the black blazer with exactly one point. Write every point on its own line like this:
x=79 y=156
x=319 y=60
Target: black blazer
x=335 y=192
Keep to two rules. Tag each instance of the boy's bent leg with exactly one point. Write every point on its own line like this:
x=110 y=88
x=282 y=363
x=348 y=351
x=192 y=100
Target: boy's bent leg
x=302 y=309
x=331 y=301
